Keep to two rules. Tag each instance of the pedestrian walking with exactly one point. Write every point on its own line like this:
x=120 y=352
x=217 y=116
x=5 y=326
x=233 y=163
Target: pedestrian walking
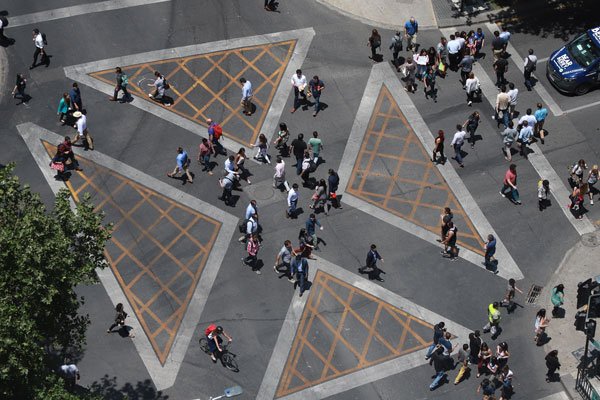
x=252 y=248
x=64 y=107
x=454 y=49
x=502 y=107
x=509 y=134
x=513 y=98
x=19 y=89
x=479 y=41
x=120 y=320
x=484 y=357
x=493 y=324
x=215 y=135
x=279 y=176
x=471 y=45
x=553 y=364
x=316 y=86
x=183 y=165
x=502 y=355
x=466 y=67
x=472 y=87
x=299 y=83
x=3 y=24
x=227 y=183
x=509 y=296
x=292 y=201
x=576 y=198
x=445 y=218
x=311 y=229
x=70 y=373
x=577 y=172
x=249 y=227
x=39 y=41
x=83 y=133
x=490 y=249
x=524 y=139
x=497 y=46
x=64 y=151
x=421 y=59
x=471 y=125
x=297 y=148
x=438 y=147
x=457 y=142
x=510 y=184
x=239 y=162
x=75 y=95
x=450 y=250
x=529 y=65
x=316 y=145
x=411 y=28
x=122 y=81
x=283 y=135
x=506 y=377
x=440 y=365
x=246 y=100
x=442 y=56
x=540 y=117
x=270 y=5
x=543 y=194
x=592 y=179
x=300 y=269
x=529 y=117
x=160 y=87
x=474 y=346
x=558 y=299
x=374 y=43
x=371 y=265
x=541 y=323
x=262 y=148
x=409 y=70
x=439 y=330
x=319 y=197
x=487 y=388
x=308 y=166
x=429 y=84
x=396 y=47
x=501 y=68
x=283 y=260
x=204 y=153
x=306 y=244
x=463 y=361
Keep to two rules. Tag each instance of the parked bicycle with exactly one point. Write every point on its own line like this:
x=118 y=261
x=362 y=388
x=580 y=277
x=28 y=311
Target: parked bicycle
x=227 y=357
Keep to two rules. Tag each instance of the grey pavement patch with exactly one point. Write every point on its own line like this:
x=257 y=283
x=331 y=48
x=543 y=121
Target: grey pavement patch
x=540 y=89
x=264 y=193
x=304 y=38
x=280 y=354
x=557 y=396
x=383 y=73
x=163 y=376
x=537 y=159
x=3 y=72
x=73 y=11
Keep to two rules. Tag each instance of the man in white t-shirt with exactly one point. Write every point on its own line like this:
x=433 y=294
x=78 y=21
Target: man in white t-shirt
x=70 y=373
x=38 y=41
x=299 y=84
x=82 y=131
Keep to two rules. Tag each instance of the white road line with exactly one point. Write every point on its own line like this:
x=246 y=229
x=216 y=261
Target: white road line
x=537 y=158
x=594 y=104
x=73 y=11
x=539 y=88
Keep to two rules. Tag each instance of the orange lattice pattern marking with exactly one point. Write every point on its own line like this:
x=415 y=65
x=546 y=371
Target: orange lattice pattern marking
x=344 y=329
x=207 y=85
x=158 y=248
x=394 y=172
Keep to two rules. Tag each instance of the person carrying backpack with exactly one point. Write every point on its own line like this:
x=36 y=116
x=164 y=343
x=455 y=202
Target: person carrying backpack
x=215 y=132
x=121 y=84
x=39 y=40
x=213 y=337
x=396 y=46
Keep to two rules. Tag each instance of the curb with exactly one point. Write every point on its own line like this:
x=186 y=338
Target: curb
x=3 y=72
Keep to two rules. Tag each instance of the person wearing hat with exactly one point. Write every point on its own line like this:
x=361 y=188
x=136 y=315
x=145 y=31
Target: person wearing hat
x=82 y=131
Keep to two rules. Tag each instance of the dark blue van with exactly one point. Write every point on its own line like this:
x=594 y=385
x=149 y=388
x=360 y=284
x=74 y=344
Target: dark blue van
x=575 y=68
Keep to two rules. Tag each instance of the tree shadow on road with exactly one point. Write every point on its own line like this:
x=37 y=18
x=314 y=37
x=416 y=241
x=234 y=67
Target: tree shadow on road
x=548 y=18
x=143 y=390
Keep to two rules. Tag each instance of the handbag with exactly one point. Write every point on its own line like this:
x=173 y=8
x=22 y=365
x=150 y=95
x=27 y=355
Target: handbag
x=57 y=166
x=442 y=67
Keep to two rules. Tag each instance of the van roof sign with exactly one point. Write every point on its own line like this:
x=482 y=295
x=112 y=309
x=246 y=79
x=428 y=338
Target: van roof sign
x=595 y=34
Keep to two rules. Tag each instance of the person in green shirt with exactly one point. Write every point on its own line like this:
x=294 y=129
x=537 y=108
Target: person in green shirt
x=557 y=299
x=316 y=145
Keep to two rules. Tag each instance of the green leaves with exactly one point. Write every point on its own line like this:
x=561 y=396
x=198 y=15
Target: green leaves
x=44 y=255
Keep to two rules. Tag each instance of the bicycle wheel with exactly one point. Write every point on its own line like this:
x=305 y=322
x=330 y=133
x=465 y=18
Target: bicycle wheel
x=203 y=345
x=229 y=362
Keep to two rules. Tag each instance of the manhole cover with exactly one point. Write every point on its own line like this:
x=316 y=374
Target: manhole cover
x=534 y=294
x=590 y=239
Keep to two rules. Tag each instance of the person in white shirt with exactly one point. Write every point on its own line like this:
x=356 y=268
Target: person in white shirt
x=505 y=35
x=472 y=87
x=457 y=141
x=299 y=85
x=279 y=177
x=513 y=95
x=529 y=117
x=453 y=47
x=246 y=96
x=292 y=201
x=525 y=136
x=529 y=65
x=38 y=41
x=82 y=131
x=70 y=373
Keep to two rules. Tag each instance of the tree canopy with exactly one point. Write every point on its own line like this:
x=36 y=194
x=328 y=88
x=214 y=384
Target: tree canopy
x=44 y=255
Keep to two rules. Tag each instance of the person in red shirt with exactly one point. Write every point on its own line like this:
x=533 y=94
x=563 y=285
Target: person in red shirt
x=206 y=149
x=510 y=183
x=65 y=151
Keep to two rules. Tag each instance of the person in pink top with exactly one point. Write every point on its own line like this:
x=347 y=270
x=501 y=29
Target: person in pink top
x=206 y=149
x=252 y=248
x=510 y=183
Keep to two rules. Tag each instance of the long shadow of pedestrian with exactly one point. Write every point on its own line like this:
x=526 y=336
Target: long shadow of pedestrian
x=107 y=388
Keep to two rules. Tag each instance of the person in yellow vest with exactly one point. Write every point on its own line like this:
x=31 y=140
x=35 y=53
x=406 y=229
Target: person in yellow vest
x=494 y=317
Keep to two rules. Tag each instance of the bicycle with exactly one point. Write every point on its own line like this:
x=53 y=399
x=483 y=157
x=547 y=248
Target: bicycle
x=227 y=357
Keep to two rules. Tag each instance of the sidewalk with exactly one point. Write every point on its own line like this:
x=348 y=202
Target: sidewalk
x=579 y=264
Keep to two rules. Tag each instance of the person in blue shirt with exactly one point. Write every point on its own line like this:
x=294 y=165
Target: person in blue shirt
x=371 y=264
x=411 y=28
x=540 y=117
x=246 y=96
x=490 y=250
x=299 y=267
x=525 y=136
x=311 y=227
x=183 y=164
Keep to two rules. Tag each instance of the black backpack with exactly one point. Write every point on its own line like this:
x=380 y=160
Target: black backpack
x=4 y=21
x=44 y=39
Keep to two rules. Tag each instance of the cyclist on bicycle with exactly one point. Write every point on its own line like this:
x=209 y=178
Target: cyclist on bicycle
x=214 y=342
